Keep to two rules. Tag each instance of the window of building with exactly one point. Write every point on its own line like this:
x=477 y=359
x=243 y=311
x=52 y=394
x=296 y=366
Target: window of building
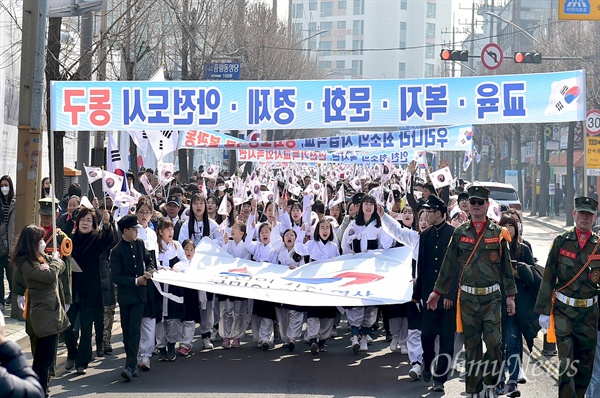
x=403 y=4
x=359 y=7
x=340 y=64
x=342 y=4
x=402 y=41
x=312 y=27
x=327 y=9
x=312 y=44
x=358 y=27
x=325 y=47
x=429 y=70
x=298 y=10
x=357 y=67
x=341 y=45
x=430 y=30
x=357 y=46
x=325 y=64
x=429 y=52
x=326 y=28
x=341 y=24
x=401 y=70
x=313 y=5
x=298 y=29
x=430 y=10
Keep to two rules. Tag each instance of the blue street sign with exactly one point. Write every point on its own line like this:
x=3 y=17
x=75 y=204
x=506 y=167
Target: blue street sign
x=223 y=71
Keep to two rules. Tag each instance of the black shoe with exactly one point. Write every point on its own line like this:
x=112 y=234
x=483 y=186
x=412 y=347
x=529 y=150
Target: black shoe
x=388 y=336
x=81 y=370
x=135 y=372
x=69 y=364
x=314 y=347
x=162 y=354
x=291 y=346
x=99 y=353
x=427 y=376
x=265 y=346
x=108 y=349
x=127 y=374
x=438 y=387
x=322 y=346
x=171 y=354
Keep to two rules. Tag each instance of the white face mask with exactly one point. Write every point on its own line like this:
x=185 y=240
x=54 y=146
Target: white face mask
x=42 y=247
x=5 y=190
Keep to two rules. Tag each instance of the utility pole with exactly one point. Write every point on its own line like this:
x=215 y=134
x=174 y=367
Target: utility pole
x=569 y=183
x=85 y=72
x=30 y=105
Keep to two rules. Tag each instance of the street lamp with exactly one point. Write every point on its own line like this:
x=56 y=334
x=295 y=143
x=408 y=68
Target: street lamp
x=520 y=29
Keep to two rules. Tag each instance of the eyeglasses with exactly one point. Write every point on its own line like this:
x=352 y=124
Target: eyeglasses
x=477 y=201
x=86 y=221
x=144 y=213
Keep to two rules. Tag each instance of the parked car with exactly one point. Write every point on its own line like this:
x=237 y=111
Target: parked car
x=505 y=194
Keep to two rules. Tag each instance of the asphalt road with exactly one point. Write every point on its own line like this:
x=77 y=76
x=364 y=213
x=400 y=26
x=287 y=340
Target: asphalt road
x=249 y=372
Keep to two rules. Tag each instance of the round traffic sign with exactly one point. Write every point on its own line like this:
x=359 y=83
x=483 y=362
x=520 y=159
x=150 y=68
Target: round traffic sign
x=592 y=122
x=492 y=56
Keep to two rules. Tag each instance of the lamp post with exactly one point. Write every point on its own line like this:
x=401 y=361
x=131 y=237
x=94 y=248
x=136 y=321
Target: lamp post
x=517 y=27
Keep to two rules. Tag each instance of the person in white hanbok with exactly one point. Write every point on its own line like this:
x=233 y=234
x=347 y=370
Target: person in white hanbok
x=169 y=329
x=196 y=228
x=320 y=320
x=290 y=317
x=363 y=234
x=234 y=310
x=263 y=312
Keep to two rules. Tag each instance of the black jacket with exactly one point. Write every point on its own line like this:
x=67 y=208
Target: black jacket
x=433 y=243
x=17 y=379
x=128 y=260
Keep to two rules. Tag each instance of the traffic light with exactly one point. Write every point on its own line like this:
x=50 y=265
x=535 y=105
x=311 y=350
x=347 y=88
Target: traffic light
x=527 y=58
x=454 y=55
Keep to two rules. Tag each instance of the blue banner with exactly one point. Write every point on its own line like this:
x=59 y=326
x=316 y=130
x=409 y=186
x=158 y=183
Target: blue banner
x=309 y=104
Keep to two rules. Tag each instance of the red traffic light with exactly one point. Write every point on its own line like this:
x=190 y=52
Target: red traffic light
x=454 y=55
x=522 y=57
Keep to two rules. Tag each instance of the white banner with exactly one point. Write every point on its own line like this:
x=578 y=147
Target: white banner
x=373 y=278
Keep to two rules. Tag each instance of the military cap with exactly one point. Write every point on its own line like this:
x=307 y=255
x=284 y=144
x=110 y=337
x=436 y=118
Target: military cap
x=434 y=202
x=174 y=199
x=583 y=203
x=478 y=191
x=46 y=206
x=357 y=197
x=128 y=221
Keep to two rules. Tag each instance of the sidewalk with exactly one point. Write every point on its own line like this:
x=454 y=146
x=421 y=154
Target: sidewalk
x=557 y=223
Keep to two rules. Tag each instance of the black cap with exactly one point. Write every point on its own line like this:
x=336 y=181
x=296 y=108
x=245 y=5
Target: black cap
x=397 y=195
x=436 y=203
x=584 y=203
x=463 y=195
x=128 y=221
x=174 y=199
x=420 y=203
x=478 y=191
x=357 y=197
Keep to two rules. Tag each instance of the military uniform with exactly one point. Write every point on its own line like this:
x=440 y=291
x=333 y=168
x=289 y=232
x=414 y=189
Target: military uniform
x=488 y=272
x=575 y=309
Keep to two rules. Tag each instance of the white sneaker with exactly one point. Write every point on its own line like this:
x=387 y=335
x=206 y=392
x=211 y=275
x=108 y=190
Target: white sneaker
x=354 y=344
x=369 y=339
x=489 y=392
x=415 y=371
x=364 y=346
x=403 y=349
x=394 y=344
x=214 y=336
x=207 y=344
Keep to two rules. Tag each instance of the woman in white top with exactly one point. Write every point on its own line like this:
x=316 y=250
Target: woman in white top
x=152 y=307
x=169 y=329
x=196 y=228
x=320 y=320
x=363 y=234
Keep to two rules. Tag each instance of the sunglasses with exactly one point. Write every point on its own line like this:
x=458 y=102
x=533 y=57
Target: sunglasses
x=476 y=201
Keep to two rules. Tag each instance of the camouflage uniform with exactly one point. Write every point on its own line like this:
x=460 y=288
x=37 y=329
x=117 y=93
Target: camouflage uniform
x=481 y=314
x=575 y=326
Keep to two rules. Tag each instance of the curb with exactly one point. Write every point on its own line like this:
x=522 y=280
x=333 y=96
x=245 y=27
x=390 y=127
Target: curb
x=547 y=224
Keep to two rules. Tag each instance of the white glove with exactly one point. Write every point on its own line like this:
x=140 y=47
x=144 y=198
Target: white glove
x=56 y=255
x=67 y=306
x=21 y=302
x=544 y=323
